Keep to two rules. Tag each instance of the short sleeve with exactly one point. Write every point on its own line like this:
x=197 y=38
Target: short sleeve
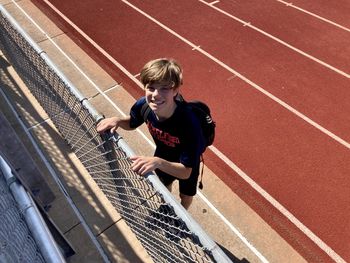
x=135 y=113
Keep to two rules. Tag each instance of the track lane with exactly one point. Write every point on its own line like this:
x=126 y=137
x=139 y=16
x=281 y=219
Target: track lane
x=317 y=38
x=301 y=83
x=194 y=68
x=336 y=11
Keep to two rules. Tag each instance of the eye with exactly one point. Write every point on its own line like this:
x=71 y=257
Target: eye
x=164 y=89
x=150 y=88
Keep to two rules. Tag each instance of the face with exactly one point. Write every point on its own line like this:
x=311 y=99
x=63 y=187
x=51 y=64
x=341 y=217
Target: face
x=160 y=98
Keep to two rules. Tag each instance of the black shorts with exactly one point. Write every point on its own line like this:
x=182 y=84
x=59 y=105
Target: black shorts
x=186 y=186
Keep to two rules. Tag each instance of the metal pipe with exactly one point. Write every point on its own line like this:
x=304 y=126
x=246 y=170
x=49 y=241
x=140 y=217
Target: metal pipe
x=41 y=234
x=192 y=225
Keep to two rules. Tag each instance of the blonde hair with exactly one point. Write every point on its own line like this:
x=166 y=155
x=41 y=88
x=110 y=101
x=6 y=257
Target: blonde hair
x=162 y=70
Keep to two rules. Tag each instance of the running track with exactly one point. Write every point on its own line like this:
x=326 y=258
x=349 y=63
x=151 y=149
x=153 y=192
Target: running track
x=276 y=76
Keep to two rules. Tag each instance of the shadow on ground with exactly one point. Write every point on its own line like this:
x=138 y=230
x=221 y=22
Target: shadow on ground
x=231 y=256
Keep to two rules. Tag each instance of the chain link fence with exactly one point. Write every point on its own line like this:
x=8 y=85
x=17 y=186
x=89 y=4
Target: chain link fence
x=24 y=235
x=16 y=241
x=165 y=229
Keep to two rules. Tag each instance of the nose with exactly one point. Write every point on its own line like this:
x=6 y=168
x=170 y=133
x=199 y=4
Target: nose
x=155 y=93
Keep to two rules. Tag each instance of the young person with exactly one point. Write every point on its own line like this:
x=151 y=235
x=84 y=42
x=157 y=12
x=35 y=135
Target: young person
x=173 y=126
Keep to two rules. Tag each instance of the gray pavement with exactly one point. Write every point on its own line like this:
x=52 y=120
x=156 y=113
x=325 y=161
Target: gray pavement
x=86 y=217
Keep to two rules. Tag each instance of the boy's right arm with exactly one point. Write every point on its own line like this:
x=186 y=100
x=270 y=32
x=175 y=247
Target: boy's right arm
x=113 y=123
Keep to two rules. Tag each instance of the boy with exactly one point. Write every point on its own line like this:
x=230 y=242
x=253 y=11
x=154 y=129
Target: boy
x=173 y=126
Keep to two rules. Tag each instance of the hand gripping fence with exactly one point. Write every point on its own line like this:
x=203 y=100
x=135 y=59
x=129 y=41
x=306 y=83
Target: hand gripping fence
x=164 y=228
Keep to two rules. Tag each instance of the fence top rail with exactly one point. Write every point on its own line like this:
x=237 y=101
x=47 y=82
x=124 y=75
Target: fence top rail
x=205 y=239
x=34 y=221
x=52 y=65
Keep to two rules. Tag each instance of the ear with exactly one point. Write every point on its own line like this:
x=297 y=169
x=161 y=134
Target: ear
x=178 y=97
x=176 y=92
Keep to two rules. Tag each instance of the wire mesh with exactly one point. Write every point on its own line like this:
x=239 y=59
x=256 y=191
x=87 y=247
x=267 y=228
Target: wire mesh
x=164 y=235
x=16 y=241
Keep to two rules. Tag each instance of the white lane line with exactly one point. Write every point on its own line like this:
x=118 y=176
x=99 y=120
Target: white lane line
x=269 y=198
x=112 y=88
x=314 y=15
x=320 y=243
x=234 y=229
x=258 y=254
x=251 y=83
x=77 y=67
x=337 y=258
x=248 y=24
x=106 y=54
x=214 y=2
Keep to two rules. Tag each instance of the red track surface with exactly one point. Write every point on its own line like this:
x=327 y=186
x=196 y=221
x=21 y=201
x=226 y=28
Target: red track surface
x=300 y=166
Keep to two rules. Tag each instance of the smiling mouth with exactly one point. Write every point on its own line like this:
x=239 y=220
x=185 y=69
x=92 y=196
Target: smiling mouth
x=157 y=103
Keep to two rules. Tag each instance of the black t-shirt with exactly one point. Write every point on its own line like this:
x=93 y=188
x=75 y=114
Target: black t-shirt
x=178 y=138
